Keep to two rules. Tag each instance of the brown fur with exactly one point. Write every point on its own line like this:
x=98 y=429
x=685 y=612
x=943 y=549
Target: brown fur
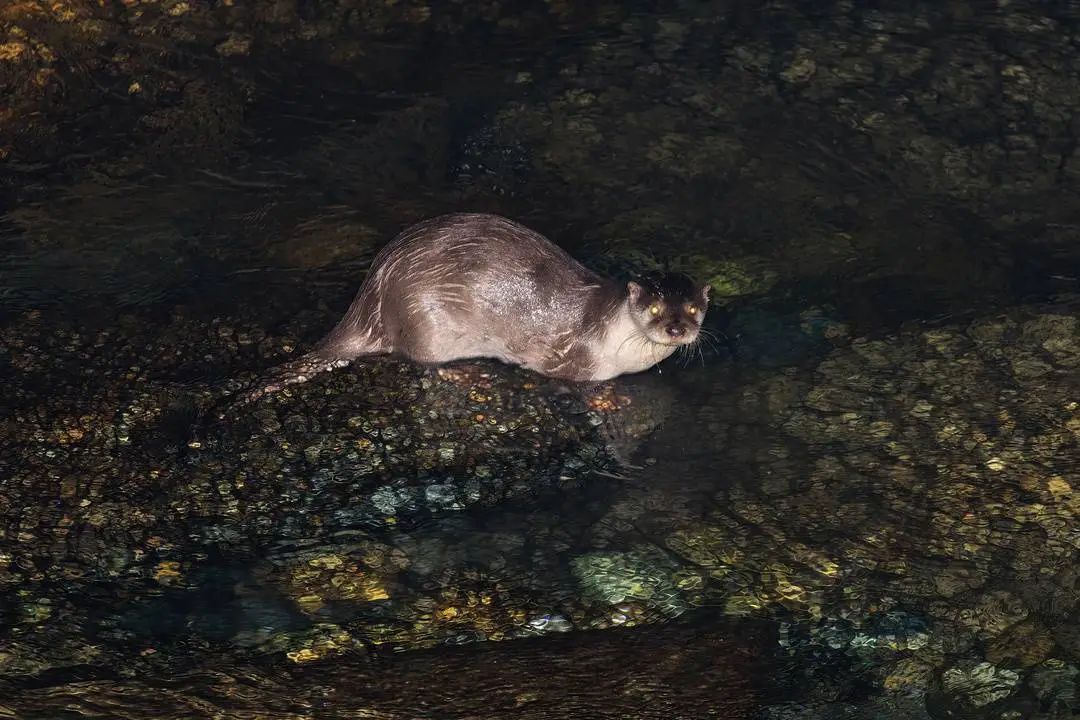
x=476 y=285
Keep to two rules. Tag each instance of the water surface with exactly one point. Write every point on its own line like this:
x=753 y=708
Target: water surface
x=857 y=501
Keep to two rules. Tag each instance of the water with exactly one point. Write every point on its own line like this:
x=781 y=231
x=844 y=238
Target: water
x=859 y=501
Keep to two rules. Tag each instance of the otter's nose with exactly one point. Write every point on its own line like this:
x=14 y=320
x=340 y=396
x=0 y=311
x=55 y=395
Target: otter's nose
x=676 y=331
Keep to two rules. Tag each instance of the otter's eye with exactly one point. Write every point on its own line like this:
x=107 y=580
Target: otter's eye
x=654 y=309
x=692 y=310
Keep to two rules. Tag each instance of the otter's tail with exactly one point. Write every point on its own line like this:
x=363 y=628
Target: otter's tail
x=341 y=346
x=234 y=395
x=293 y=372
x=358 y=334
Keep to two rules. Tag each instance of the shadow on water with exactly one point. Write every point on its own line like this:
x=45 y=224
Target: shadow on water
x=858 y=500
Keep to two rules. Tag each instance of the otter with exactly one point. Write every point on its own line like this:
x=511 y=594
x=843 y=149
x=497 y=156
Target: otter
x=475 y=285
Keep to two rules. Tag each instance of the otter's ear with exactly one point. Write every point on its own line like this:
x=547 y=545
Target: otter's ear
x=705 y=292
x=636 y=291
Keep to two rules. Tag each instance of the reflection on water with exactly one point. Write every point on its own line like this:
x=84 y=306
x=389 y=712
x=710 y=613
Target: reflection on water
x=860 y=501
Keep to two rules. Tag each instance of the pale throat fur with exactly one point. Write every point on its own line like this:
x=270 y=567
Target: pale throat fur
x=625 y=348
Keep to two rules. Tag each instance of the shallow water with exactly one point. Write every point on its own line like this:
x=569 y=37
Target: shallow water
x=859 y=500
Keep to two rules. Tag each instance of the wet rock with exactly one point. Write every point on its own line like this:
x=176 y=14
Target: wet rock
x=1024 y=645
x=994 y=612
x=970 y=684
x=1054 y=682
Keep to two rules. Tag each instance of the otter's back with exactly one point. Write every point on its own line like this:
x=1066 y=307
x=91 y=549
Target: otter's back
x=477 y=284
x=481 y=262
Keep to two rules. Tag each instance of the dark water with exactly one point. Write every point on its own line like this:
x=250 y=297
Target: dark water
x=859 y=500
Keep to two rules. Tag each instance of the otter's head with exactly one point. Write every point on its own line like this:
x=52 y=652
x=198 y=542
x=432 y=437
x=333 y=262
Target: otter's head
x=668 y=308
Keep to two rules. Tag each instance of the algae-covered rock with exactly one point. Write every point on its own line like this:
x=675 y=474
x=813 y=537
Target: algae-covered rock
x=641 y=577
x=745 y=276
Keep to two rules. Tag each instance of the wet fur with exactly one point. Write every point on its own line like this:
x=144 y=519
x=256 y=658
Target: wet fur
x=477 y=285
